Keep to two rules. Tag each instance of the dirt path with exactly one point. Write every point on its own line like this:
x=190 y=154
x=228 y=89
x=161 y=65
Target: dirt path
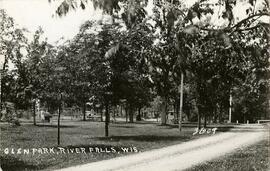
x=178 y=157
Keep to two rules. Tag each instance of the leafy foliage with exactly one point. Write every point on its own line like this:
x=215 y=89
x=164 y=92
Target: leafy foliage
x=138 y=57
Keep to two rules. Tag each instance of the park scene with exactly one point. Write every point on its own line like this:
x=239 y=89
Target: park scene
x=135 y=85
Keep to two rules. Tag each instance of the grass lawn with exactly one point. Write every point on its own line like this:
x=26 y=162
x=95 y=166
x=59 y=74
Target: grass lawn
x=252 y=158
x=144 y=136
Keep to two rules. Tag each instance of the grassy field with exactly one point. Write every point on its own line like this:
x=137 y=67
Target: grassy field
x=252 y=158
x=143 y=136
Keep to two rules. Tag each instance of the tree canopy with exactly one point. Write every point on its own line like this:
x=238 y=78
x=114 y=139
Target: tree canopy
x=140 y=58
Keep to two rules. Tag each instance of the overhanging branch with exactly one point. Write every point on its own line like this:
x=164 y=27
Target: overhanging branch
x=236 y=26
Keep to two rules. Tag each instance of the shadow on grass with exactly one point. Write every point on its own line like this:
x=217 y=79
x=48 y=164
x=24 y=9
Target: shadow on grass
x=55 y=126
x=23 y=139
x=135 y=122
x=122 y=126
x=9 y=163
x=145 y=122
x=148 y=138
x=89 y=120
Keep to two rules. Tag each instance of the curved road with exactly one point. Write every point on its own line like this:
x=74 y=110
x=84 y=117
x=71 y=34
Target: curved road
x=181 y=156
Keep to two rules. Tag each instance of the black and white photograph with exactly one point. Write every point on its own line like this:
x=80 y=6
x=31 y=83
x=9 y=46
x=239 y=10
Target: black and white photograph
x=134 y=85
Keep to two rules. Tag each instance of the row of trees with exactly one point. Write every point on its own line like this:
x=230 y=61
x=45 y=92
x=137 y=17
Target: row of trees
x=138 y=57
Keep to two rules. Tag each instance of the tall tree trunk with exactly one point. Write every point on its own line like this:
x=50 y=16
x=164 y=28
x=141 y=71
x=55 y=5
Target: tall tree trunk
x=230 y=108
x=199 y=121
x=58 y=120
x=34 y=112
x=177 y=102
x=199 y=117
x=101 y=114
x=131 y=112
x=2 y=74
x=107 y=119
x=126 y=112
x=215 y=114
x=174 y=110
x=181 y=101
x=205 y=121
x=220 y=113
x=164 y=111
x=1 y=94
x=139 y=111
x=121 y=110
x=84 y=111
x=114 y=108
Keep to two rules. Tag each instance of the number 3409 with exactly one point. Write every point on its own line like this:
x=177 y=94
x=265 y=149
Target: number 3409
x=204 y=131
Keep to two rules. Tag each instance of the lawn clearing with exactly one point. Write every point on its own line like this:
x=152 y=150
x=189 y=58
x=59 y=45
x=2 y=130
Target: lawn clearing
x=143 y=136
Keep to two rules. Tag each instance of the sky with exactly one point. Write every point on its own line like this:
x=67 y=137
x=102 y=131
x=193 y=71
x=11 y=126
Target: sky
x=31 y=14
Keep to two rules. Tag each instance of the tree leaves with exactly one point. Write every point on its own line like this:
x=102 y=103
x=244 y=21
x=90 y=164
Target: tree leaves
x=66 y=6
x=112 y=51
x=82 y=5
x=228 y=13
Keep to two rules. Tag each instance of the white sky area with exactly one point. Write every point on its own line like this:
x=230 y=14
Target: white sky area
x=31 y=14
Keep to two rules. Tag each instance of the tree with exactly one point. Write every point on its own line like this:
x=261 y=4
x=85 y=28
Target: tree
x=36 y=50
x=98 y=71
x=56 y=83
x=76 y=64
x=129 y=64
x=176 y=23
x=12 y=43
x=250 y=94
x=222 y=62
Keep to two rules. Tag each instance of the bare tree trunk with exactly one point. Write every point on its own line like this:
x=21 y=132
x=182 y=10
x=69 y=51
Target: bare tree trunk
x=126 y=112
x=121 y=110
x=114 y=108
x=58 y=121
x=139 y=118
x=131 y=112
x=205 y=121
x=181 y=101
x=2 y=73
x=215 y=114
x=230 y=108
x=1 y=94
x=84 y=111
x=199 y=117
x=101 y=114
x=199 y=121
x=220 y=114
x=107 y=120
x=164 y=112
x=174 y=110
x=34 y=112
x=177 y=108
